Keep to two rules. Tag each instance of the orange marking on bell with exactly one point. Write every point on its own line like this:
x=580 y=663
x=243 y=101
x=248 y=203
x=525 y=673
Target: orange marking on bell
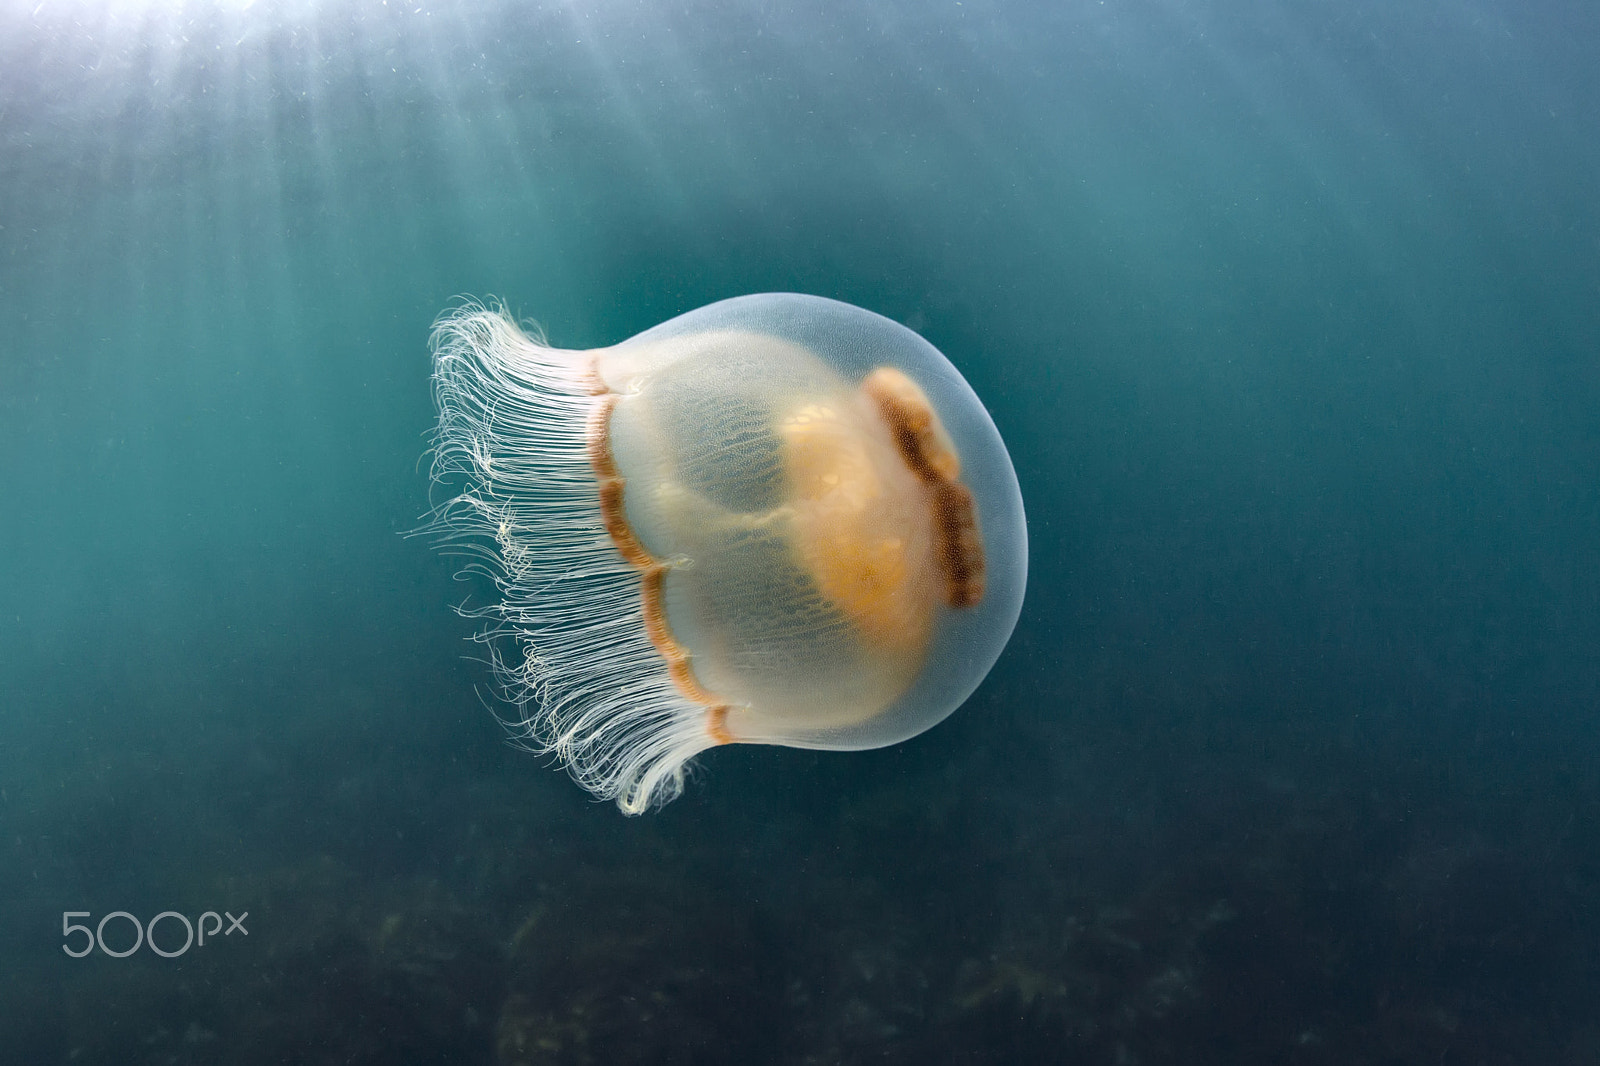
x=682 y=670
x=616 y=520
x=917 y=431
x=655 y=619
x=597 y=439
x=928 y=452
x=653 y=573
x=610 y=486
x=592 y=379
x=960 y=549
x=717 y=724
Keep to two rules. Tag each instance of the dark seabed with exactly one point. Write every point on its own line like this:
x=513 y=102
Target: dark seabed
x=1288 y=311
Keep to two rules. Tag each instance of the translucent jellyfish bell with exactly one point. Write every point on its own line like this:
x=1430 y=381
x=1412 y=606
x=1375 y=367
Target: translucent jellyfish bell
x=778 y=519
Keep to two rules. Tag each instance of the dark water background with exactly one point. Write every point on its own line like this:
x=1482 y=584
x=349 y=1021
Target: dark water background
x=1289 y=313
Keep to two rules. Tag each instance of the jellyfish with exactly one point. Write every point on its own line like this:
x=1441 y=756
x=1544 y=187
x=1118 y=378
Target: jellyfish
x=778 y=519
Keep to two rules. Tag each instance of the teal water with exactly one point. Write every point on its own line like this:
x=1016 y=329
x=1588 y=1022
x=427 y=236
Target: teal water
x=1289 y=314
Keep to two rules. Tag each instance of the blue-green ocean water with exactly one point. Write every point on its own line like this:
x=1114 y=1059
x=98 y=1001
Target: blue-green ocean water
x=1288 y=312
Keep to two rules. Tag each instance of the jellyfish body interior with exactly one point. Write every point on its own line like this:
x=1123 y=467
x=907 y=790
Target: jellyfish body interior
x=777 y=519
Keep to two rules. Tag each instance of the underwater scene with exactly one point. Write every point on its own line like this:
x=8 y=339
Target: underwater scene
x=858 y=531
